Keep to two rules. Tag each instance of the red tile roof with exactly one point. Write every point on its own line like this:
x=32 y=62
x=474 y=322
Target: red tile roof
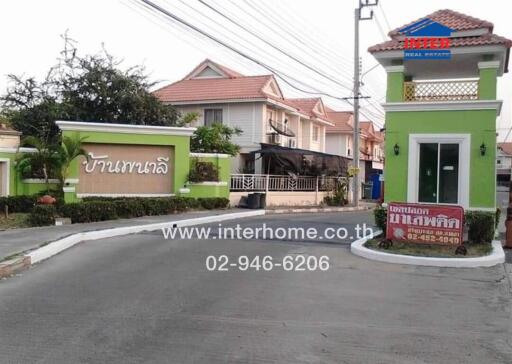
x=486 y=39
x=506 y=148
x=451 y=19
x=7 y=130
x=455 y=21
x=247 y=87
x=306 y=106
x=341 y=121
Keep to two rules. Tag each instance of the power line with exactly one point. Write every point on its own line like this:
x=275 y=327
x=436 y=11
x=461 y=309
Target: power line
x=154 y=7
x=279 y=23
x=385 y=16
x=330 y=78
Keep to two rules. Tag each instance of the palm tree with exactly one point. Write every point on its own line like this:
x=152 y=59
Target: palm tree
x=68 y=151
x=45 y=159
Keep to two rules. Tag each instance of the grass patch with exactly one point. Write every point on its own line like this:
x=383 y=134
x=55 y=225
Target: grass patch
x=425 y=250
x=14 y=221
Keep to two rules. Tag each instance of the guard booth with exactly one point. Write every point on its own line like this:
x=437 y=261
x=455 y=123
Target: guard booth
x=441 y=110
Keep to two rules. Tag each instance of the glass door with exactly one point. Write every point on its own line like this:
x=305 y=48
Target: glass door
x=438 y=179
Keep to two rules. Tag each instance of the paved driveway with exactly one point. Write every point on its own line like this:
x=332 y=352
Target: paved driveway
x=143 y=299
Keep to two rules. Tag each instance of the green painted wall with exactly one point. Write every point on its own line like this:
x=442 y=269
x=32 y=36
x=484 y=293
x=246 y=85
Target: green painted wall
x=480 y=124
x=202 y=190
x=13 y=178
x=16 y=185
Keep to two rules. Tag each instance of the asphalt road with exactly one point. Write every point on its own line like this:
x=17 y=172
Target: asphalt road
x=144 y=299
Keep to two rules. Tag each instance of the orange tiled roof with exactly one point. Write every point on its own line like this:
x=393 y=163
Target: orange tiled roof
x=341 y=121
x=505 y=148
x=246 y=87
x=454 y=20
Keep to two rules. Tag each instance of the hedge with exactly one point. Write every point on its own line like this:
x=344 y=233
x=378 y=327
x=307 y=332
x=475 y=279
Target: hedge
x=42 y=215
x=18 y=203
x=100 y=208
x=481 y=226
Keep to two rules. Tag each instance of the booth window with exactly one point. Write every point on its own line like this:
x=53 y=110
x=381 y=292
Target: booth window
x=439 y=173
x=212 y=116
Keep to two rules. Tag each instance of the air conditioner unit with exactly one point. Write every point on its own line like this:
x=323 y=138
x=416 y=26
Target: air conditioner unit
x=292 y=143
x=274 y=138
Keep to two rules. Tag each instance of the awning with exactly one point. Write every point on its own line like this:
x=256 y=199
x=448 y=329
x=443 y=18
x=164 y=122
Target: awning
x=284 y=160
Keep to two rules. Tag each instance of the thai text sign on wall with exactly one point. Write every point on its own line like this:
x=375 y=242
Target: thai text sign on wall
x=429 y=224
x=126 y=169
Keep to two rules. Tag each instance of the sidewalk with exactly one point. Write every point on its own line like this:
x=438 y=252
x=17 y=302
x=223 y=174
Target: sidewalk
x=17 y=241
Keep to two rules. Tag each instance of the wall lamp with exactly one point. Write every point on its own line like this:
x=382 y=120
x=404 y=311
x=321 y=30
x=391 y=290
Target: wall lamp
x=483 y=149
x=396 y=149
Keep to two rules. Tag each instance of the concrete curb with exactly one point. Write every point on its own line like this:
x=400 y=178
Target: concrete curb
x=9 y=267
x=317 y=210
x=496 y=257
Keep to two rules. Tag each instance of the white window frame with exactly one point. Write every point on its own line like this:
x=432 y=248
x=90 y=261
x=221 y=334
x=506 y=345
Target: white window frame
x=317 y=139
x=5 y=163
x=464 y=141
x=214 y=110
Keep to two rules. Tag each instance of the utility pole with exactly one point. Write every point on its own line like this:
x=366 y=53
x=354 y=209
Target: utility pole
x=357 y=71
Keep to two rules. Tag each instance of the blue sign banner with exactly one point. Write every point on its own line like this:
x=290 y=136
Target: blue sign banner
x=427 y=54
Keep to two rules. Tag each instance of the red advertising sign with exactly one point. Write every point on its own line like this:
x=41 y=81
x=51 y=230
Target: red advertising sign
x=428 y=224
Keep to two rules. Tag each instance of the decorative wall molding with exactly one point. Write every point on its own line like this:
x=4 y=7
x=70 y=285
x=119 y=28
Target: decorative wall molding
x=209 y=155
x=82 y=195
x=39 y=180
x=444 y=105
x=399 y=68
x=208 y=183
x=489 y=64
x=124 y=128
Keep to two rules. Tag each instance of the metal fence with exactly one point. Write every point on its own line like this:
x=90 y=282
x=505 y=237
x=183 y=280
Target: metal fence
x=441 y=90
x=268 y=182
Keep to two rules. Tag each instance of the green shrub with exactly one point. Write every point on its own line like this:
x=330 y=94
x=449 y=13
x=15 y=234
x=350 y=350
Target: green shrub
x=89 y=211
x=380 y=214
x=481 y=226
x=18 y=203
x=102 y=208
x=497 y=219
x=203 y=171
x=42 y=215
x=128 y=208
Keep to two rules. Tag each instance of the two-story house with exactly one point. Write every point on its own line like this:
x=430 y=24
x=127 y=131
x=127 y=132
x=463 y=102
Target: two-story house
x=504 y=164
x=340 y=137
x=255 y=104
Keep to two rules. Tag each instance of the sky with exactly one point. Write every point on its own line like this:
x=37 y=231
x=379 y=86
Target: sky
x=317 y=33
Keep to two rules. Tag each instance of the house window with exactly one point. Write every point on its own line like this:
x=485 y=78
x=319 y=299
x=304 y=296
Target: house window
x=212 y=116
x=316 y=133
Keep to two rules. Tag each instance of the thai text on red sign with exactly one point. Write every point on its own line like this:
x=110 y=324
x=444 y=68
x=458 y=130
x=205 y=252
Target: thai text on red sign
x=429 y=224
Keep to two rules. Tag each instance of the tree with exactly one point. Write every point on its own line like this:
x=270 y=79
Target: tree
x=215 y=139
x=84 y=88
x=44 y=160
x=68 y=151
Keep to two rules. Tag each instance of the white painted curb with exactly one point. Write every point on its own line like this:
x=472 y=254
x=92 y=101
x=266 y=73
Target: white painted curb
x=60 y=245
x=496 y=257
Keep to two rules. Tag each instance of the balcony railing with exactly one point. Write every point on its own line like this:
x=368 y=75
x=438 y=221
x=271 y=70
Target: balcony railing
x=263 y=182
x=440 y=90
